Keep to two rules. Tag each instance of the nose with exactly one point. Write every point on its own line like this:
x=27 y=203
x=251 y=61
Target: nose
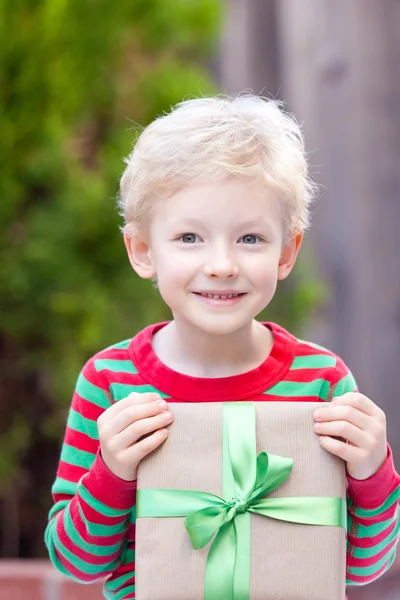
x=221 y=264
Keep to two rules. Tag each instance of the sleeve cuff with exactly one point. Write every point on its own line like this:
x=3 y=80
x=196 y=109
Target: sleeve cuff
x=109 y=489
x=371 y=493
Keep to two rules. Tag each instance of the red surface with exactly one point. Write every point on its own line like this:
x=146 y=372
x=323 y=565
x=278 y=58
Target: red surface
x=38 y=580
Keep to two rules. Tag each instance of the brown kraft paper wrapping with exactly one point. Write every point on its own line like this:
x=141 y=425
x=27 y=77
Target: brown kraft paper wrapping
x=289 y=561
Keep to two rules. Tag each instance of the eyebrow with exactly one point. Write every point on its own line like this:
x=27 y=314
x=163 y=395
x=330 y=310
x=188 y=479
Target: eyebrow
x=256 y=222
x=260 y=221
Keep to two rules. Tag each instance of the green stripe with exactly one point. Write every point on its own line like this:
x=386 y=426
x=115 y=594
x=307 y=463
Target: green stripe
x=74 y=456
x=79 y=423
x=368 y=513
x=317 y=387
x=74 y=535
x=49 y=541
x=129 y=556
x=116 y=583
x=101 y=508
x=91 y=392
x=344 y=385
x=100 y=530
x=314 y=361
x=80 y=564
x=356 y=583
x=367 y=531
x=124 y=345
x=121 y=390
x=369 y=552
x=118 y=366
x=58 y=507
x=63 y=486
x=368 y=571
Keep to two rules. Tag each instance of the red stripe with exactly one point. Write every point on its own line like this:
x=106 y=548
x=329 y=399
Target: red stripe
x=123 y=569
x=87 y=409
x=112 y=354
x=308 y=375
x=304 y=349
x=124 y=378
x=69 y=472
x=362 y=579
x=352 y=561
x=81 y=441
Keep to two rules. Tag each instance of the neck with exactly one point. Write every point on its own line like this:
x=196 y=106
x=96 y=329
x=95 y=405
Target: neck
x=197 y=353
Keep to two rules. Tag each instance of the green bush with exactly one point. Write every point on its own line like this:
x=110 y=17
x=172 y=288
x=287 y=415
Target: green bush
x=75 y=78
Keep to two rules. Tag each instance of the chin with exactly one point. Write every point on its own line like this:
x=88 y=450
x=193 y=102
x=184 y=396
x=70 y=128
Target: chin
x=221 y=327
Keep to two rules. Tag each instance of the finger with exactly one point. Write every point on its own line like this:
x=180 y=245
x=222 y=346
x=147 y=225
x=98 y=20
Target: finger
x=347 y=452
x=358 y=401
x=135 y=413
x=147 y=445
x=132 y=400
x=343 y=413
x=143 y=427
x=345 y=430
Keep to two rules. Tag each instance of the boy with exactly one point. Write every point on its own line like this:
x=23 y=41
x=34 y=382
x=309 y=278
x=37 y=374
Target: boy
x=216 y=199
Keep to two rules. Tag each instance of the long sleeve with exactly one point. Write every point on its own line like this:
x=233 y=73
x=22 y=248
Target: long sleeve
x=89 y=521
x=372 y=510
x=373 y=524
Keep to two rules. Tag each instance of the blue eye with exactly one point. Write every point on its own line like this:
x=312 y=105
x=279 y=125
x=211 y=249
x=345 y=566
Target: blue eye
x=250 y=239
x=188 y=238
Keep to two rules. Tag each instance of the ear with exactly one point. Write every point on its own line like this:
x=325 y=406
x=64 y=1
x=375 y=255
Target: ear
x=289 y=255
x=139 y=255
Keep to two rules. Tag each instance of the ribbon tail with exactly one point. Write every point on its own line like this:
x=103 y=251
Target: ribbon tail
x=310 y=510
x=241 y=587
x=220 y=566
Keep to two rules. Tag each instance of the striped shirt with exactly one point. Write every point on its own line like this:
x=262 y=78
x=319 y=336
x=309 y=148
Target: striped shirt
x=91 y=530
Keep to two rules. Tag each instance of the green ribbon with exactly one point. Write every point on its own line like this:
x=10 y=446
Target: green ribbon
x=247 y=478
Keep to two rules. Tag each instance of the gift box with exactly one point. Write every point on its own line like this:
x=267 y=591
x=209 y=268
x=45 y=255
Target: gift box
x=241 y=503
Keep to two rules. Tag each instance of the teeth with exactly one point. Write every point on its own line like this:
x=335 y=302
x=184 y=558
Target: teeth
x=220 y=297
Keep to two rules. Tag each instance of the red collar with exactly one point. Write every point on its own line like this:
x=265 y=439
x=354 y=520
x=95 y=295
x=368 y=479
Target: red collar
x=193 y=389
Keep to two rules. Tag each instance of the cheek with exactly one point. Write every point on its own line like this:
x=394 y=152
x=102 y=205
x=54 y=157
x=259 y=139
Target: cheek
x=174 y=270
x=265 y=268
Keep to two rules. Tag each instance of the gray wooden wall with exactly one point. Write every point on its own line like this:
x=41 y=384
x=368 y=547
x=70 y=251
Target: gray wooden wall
x=336 y=63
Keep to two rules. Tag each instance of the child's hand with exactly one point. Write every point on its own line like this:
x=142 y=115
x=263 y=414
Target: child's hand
x=362 y=424
x=122 y=427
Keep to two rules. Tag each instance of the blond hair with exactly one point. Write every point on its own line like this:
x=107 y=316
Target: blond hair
x=205 y=139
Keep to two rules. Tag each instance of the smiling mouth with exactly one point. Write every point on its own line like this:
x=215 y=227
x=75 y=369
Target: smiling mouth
x=220 y=296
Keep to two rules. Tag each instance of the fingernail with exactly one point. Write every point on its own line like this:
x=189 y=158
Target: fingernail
x=317 y=426
x=167 y=416
x=162 y=404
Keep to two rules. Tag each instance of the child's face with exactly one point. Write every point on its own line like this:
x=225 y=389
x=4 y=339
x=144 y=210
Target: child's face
x=219 y=238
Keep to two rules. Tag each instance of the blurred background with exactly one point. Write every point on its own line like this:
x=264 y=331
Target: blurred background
x=76 y=78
